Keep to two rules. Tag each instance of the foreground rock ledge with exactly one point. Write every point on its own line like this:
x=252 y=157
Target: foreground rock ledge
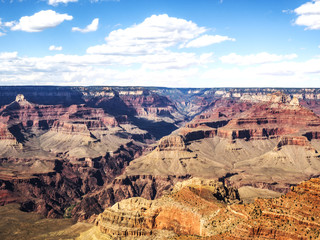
x=205 y=209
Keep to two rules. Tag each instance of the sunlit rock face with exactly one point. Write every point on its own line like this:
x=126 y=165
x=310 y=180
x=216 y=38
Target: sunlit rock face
x=209 y=210
x=20 y=98
x=183 y=211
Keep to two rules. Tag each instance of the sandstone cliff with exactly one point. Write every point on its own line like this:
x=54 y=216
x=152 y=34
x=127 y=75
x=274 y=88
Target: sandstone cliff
x=184 y=211
x=197 y=209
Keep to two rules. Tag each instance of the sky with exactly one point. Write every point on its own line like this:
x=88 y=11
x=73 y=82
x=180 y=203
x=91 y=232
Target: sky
x=167 y=43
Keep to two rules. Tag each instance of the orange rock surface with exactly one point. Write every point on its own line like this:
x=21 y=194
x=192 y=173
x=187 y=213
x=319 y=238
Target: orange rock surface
x=193 y=211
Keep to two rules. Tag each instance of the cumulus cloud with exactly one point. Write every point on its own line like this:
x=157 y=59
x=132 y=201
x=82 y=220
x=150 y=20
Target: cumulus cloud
x=260 y=58
x=40 y=21
x=2 y=34
x=55 y=48
x=154 y=34
x=312 y=7
x=309 y=15
x=57 y=2
x=207 y=40
x=149 y=45
x=93 y=26
x=8 y=55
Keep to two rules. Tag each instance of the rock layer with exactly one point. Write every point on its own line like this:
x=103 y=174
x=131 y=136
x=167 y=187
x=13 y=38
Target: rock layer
x=183 y=211
x=193 y=211
x=269 y=142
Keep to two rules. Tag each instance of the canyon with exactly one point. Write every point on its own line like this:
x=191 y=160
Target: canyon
x=80 y=152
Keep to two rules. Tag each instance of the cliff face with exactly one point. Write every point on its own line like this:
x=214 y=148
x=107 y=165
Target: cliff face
x=209 y=210
x=53 y=155
x=248 y=118
x=52 y=186
x=183 y=211
x=292 y=216
x=267 y=141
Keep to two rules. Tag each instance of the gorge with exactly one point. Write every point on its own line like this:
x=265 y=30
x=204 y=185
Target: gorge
x=92 y=153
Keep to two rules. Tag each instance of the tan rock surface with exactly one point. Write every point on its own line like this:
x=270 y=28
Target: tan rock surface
x=184 y=211
x=192 y=211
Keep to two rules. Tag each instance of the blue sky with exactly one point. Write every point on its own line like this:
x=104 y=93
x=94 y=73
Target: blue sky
x=171 y=43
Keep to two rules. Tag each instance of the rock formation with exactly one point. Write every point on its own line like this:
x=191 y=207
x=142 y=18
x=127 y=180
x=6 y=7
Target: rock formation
x=52 y=155
x=204 y=209
x=271 y=142
x=184 y=211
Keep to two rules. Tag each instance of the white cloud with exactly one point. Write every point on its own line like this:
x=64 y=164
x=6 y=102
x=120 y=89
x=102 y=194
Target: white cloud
x=40 y=21
x=55 y=48
x=207 y=40
x=3 y=26
x=8 y=55
x=56 y=2
x=309 y=8
x=279 y=74
x=9 y=24
x=260 y=58
x=309 y=15
x=63 y=69
x=154 y=34
x=312 y=22
x=147 y=44
x=171 y=70
x=90 y=28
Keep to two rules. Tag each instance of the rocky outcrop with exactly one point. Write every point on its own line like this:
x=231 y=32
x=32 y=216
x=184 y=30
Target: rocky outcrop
x=51 y=186
x=170 y=143
x=70 y=128
x=124 y=187
x=192 y=208
x=291 y=140
x=292 y=216
x=5 y=134
x=20 y=98
x=183 y=211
